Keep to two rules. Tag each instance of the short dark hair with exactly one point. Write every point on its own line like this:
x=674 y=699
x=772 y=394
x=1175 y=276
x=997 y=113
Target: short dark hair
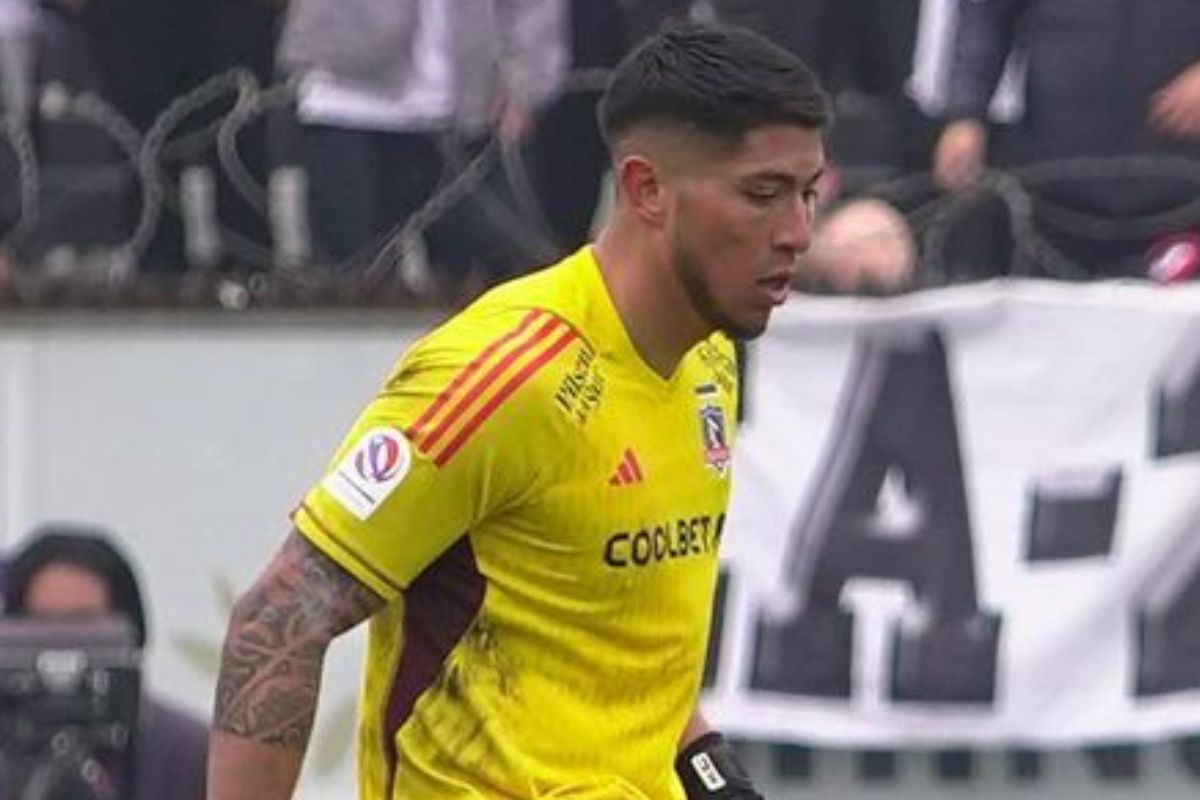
x=722 y=81
x=83 y=546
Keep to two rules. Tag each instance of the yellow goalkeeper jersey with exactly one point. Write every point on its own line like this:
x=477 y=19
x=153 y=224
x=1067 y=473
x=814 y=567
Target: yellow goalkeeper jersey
x=542 y=512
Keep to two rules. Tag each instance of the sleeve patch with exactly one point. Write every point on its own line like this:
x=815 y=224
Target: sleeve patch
x=370 y=471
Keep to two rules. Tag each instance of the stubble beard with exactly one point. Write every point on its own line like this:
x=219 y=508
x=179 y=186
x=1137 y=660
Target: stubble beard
x=691 y=276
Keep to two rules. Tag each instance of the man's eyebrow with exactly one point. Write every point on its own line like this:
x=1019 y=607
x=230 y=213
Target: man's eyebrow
x=784 y=178
x=773 y=176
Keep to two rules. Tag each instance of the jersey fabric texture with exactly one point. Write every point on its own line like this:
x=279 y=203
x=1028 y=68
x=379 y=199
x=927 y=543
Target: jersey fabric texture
x=542 y=513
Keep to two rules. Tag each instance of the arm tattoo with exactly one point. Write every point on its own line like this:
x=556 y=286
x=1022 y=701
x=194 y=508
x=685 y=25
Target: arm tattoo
x=275 y=646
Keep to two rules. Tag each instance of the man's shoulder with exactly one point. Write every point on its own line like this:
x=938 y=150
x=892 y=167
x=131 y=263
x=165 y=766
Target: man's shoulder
x=505 y=356
x=519 y=318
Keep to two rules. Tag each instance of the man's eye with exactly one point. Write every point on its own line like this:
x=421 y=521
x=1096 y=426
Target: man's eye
x=762 y=195
x=811 y=197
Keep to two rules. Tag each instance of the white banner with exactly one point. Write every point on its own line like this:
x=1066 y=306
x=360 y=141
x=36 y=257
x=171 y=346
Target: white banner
x=971 y=516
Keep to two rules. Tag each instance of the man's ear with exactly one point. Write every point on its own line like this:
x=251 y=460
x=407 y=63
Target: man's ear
x=640 y=182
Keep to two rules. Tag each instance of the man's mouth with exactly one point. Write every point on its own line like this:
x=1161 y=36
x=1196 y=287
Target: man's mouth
x=777 y=286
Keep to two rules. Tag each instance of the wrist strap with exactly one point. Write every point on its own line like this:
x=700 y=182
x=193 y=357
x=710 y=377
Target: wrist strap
x=710 y=770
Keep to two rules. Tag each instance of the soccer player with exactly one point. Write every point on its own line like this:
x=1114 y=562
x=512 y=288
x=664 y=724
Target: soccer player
x=529 y=511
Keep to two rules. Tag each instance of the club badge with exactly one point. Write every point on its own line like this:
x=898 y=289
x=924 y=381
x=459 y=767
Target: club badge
x=713 y=430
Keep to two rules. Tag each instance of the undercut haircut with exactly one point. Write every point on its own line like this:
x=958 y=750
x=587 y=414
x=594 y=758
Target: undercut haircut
x=716 y=80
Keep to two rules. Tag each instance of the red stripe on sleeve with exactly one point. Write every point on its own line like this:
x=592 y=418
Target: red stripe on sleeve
x=481 y=385
x=503 y=394
x=414 y=431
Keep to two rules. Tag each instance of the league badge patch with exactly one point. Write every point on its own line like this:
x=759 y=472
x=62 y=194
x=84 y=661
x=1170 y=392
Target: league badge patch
x=370 y=471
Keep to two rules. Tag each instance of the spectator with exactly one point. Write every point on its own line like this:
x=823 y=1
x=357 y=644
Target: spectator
x=129 y=54
x=1104 y=78
x=243 y=35
x=382 y=81
x=18 y=25
x=149 y=53
x=82 y=175
x=568 y=155
x=863 y=51
x=861 y=246
x=67 y=570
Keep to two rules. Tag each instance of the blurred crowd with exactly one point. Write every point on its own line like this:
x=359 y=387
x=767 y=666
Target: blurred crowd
x=445 y=145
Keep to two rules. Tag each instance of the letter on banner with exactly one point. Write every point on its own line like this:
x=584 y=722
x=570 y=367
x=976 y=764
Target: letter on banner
x=896 y=418
x=1168 y=615
x=1177 y=412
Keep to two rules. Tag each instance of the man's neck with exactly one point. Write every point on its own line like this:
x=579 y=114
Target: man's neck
x=650 y=300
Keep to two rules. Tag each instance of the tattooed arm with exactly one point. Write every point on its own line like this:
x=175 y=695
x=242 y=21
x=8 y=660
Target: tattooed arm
x=271 y=670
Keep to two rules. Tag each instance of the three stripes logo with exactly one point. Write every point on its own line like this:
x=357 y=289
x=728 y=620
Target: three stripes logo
x=628 y=472
x=483 y=385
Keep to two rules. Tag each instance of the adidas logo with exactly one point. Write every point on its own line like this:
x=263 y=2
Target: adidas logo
x=628 y=472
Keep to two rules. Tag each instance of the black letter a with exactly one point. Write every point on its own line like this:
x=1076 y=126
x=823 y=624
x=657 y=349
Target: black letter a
x=897 y=417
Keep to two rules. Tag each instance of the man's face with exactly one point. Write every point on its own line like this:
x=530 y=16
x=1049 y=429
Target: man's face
x=740 y=219
x=59 y=590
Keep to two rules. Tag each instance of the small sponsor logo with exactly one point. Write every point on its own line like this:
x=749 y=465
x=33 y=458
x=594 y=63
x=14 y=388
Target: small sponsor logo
x=666 y=541
x=709 y=775
x=721 y=365
x=628 y=471
x=582 y=388
x=372 y=469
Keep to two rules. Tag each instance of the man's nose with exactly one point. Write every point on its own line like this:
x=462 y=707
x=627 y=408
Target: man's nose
x=794 y=231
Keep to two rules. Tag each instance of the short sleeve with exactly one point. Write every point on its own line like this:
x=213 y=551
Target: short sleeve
x=431 y=456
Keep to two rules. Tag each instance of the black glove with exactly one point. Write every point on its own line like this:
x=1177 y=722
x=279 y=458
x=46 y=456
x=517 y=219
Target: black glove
x=710 y=770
